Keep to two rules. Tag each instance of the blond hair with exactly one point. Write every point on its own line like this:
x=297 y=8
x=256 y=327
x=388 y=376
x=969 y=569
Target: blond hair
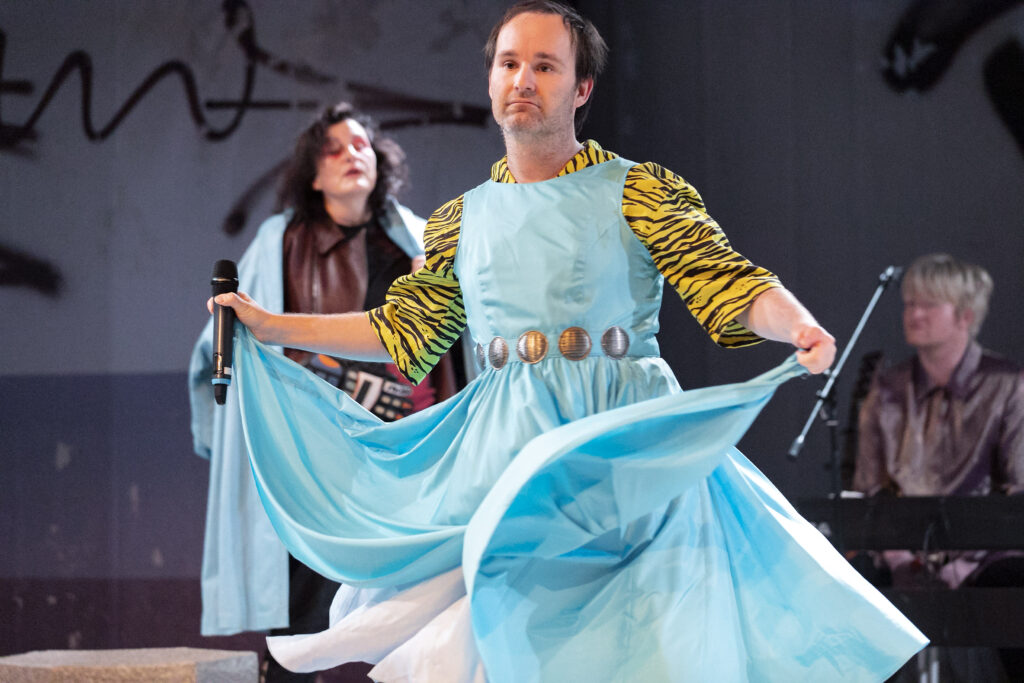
x=940 y=276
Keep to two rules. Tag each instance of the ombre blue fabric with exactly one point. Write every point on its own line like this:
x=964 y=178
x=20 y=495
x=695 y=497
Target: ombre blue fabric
x=606 y=526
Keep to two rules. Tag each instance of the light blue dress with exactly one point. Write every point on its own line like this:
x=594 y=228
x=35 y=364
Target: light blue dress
x=606 y=528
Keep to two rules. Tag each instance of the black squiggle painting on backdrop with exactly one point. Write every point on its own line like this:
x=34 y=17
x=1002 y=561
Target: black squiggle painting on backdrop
x=22 y=269
x=928 y=37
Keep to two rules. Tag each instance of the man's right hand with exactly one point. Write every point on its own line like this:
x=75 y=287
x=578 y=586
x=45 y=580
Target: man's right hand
x=250 y=313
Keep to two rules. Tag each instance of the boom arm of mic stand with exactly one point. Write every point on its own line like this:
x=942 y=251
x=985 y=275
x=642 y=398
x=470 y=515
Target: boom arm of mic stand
x=825 y=394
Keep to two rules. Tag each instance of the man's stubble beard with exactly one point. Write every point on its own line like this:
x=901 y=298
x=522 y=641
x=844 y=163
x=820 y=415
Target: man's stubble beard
x=531 y=131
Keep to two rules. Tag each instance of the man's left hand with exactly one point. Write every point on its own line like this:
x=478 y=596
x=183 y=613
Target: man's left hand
x=817 y=348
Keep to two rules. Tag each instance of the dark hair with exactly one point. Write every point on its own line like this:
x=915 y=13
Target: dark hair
x=591 y=51
x=296 y=190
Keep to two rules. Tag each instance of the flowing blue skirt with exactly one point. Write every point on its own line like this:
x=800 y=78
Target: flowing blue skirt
x=605 y=526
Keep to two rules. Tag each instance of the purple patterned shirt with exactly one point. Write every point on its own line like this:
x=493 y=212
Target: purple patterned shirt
x=964 y=439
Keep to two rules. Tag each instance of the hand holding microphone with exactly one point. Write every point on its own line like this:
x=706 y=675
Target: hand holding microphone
x=225 y=279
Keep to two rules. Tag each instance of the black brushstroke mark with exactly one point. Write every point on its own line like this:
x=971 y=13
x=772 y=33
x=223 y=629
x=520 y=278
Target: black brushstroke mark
x=1004 y=83
x=928 y=36
x=414 y=111
x=308 y=105
x=19 y=269
x=417 y=111
x=931 y=32
x=18 y=87
x=239 y=20
x=81 y=62
x=240 y=210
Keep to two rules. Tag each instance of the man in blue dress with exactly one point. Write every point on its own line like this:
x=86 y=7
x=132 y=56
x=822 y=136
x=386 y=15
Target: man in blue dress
x=555 y=265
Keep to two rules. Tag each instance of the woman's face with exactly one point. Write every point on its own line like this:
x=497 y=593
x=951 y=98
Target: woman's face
x=347 y=168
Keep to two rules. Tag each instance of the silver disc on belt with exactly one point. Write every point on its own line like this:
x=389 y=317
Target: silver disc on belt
x=497 y=353
x=615 y=342
x=532 y=346
x=574 y=343
x=481 y=357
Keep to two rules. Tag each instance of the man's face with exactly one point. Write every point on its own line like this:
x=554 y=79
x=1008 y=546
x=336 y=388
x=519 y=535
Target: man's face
x=931 y=322
x=347 y=168
x=532 y=83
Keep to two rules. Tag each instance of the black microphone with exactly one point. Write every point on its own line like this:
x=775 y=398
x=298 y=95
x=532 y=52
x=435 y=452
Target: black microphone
x=225 y=279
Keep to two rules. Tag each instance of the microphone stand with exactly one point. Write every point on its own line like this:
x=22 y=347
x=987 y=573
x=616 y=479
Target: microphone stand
x=826 y=405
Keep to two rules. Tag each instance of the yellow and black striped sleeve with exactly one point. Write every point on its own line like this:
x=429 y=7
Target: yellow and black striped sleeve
x=424 y=314
x=715 y=282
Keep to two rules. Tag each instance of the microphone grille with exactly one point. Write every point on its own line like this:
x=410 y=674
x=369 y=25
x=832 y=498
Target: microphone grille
x=225 y=277
x=225 y=270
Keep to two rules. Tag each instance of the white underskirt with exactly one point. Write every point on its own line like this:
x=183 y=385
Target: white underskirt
x=422 y=633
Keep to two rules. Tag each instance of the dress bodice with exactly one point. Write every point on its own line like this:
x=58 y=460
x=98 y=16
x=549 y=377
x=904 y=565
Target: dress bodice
x=556 y=254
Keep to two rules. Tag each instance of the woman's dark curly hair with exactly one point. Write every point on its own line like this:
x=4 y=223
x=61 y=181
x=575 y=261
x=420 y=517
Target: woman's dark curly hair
x=296 y=191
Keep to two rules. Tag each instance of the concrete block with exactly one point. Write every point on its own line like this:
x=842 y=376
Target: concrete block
x=153 y=665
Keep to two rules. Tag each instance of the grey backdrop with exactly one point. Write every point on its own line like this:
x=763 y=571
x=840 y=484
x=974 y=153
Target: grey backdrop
x=775 y=110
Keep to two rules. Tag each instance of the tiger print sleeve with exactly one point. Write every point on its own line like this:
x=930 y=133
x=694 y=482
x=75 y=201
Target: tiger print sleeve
x=424 y=314
x=715 y=282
